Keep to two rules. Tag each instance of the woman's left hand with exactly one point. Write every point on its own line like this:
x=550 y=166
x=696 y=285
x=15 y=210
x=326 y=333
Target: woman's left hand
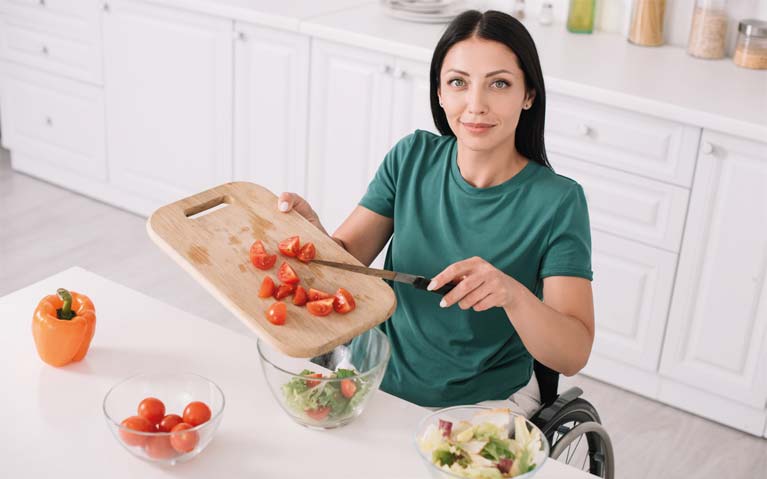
x=480 y=285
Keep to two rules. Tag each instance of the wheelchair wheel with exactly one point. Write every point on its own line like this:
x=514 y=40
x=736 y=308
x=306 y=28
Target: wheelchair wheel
x=566 y=431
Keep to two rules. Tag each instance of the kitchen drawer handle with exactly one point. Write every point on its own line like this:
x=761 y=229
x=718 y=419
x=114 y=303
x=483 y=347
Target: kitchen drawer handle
x=44 y=50
x=42 y=3
x=707 y=148
x=386 y=69
x=49 y=121
x=106 y=7
x=241 y=36
x=584 y=130
x=399 y=73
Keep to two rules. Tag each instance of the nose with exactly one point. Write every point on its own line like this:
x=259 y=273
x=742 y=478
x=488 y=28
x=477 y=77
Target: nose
x=477 y=101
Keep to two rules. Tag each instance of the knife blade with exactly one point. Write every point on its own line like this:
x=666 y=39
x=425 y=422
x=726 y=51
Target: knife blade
x=418 y=282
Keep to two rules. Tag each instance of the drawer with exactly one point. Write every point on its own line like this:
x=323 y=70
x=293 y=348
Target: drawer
x=74 y=19
x=35 y=48
x=628 y=205
x=632 y=142
x=55 y=119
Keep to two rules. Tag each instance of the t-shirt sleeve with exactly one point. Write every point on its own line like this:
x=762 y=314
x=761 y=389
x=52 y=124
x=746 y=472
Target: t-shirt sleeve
x=569 y=246
x=382 y=189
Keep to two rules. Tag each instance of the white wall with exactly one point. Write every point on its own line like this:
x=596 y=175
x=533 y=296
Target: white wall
x=614 y=15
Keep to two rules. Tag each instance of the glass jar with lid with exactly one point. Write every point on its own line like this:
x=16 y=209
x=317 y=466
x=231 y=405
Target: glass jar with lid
x=751 y=49
x=647 y=22
x=709 y=29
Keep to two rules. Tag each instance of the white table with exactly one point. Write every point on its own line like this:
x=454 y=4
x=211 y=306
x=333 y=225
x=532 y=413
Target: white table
x=54 y=425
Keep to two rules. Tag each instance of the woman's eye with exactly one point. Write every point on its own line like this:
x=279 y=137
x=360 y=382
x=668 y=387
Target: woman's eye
x=500 y=84
x=456 y=82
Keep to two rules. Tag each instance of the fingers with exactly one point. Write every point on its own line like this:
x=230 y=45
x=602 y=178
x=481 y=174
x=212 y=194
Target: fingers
x=286 y=201
x=465 y=288
x=453 y=273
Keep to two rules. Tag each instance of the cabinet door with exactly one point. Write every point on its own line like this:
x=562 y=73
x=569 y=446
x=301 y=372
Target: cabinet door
x=411 y=109
x=632 y=290
x=351 y=95
x=715 y=339
x=168 y=91
x=271 y=107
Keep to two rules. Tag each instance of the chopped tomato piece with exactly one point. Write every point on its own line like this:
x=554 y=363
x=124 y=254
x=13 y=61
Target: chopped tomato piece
x=309 y=383
x=287 y=275
x=284 y=290
x=257 y=248
x=343 y=301
x=290 y=246
x=307 y=252
x=263 y=261
x=348 y=388
x=319 y=413
x=267 y=288
x=277 y=313
x=320 y=307
x=299 y=298
x=315 y=294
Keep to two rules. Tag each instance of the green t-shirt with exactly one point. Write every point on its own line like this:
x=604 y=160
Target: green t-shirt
x=532 y=226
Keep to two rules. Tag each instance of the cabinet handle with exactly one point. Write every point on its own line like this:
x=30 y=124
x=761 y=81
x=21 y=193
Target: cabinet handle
x=49 y=121
x=44 y=50
x=241 y=36
x=386 y=69
x=707 y=148
x=399 y=73
x=106 y=7
x=584 y=130
x=42 y=3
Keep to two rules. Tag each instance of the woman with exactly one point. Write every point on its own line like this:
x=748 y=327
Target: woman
x=478 y=206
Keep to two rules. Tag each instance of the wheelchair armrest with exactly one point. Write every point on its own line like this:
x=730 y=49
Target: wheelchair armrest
x=546 y=412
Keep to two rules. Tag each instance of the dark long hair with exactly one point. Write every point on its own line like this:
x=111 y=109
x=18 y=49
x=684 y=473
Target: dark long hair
x=502 y=28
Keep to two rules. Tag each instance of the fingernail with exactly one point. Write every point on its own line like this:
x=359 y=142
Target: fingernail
x=284 y=206
x=442 y=303
x=431 y=286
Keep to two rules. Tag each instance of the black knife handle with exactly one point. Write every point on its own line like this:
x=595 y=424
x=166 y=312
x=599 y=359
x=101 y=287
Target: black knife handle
x=423 y=283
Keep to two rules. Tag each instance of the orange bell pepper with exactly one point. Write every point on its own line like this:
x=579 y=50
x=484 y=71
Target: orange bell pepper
x=63 y=326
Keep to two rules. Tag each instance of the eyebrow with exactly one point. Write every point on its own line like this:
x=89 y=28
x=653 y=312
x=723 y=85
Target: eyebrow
x=488 y=75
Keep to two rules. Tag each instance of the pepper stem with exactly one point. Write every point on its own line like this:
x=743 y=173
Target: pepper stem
x=65 y=312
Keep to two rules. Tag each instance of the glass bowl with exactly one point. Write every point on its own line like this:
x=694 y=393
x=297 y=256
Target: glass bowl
x=331 y=390
x=538 y=453
x=176 y=391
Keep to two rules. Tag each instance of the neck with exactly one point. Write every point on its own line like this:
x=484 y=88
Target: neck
x=486 y=168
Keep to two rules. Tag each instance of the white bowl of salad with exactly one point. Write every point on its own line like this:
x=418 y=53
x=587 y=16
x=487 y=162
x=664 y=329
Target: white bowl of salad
x=331 y=390
x=480 y=443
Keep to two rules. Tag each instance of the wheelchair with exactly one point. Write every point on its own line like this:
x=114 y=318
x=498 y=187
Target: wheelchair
x=566 y=419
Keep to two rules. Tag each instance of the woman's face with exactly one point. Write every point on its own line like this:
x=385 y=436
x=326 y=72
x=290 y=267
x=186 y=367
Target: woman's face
x=482 y=91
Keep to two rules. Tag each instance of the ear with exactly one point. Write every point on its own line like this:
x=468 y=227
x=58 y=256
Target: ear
x=530 y=97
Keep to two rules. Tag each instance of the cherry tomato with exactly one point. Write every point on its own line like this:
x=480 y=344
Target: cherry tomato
x=315 y=294
x=348 y=388
x=290 y=246
x=257 y=248
x=196 y=413
x=343 y=302
x=277 y=313
x=152 y=409
x=319 y=413
x=182 y=439
x=309 y=383
x=307 y=252
x=321 y=307
x=287 y=275
x=263 y=261
x=284 y=291
x=135 y=423
x=158 y=447
x=299 y=298
x=267 y=288
x=168 y=422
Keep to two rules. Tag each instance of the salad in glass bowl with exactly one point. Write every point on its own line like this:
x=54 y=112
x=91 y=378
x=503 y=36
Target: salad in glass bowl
x=480 y=443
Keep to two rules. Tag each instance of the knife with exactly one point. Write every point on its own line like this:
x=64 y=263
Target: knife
x=417 y=281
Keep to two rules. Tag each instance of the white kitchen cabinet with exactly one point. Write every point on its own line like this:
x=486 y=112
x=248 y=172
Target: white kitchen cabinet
x=362 y=103
x=632 y=290
x=716 y=335
x=271 y=107
x=168 y=92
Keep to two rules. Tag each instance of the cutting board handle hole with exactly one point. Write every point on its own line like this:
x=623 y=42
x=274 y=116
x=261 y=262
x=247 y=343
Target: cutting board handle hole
x=206 y=208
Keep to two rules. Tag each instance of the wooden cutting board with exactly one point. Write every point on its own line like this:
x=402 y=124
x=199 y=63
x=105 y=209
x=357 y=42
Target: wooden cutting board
x=210 y=234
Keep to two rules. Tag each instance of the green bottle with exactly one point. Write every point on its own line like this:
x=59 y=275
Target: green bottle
x=580 y=18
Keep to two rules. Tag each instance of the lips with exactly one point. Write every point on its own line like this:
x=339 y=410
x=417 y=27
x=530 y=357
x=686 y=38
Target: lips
x=478 y=125
x=477 y=128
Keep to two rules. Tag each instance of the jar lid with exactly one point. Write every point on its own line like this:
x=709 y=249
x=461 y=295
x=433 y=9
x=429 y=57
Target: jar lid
x=753 y=27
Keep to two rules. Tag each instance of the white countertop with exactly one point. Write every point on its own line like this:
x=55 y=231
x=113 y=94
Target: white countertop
x=59 y=429
x=603 y=67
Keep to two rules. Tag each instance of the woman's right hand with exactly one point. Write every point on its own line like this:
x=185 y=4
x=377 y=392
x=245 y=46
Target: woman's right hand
x=292 y=201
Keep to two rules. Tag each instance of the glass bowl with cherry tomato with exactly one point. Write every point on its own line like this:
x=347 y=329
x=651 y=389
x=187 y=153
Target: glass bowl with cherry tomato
x=164 y=418
x=331 y=390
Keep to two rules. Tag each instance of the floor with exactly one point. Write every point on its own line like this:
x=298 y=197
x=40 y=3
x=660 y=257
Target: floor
x=45 y=229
